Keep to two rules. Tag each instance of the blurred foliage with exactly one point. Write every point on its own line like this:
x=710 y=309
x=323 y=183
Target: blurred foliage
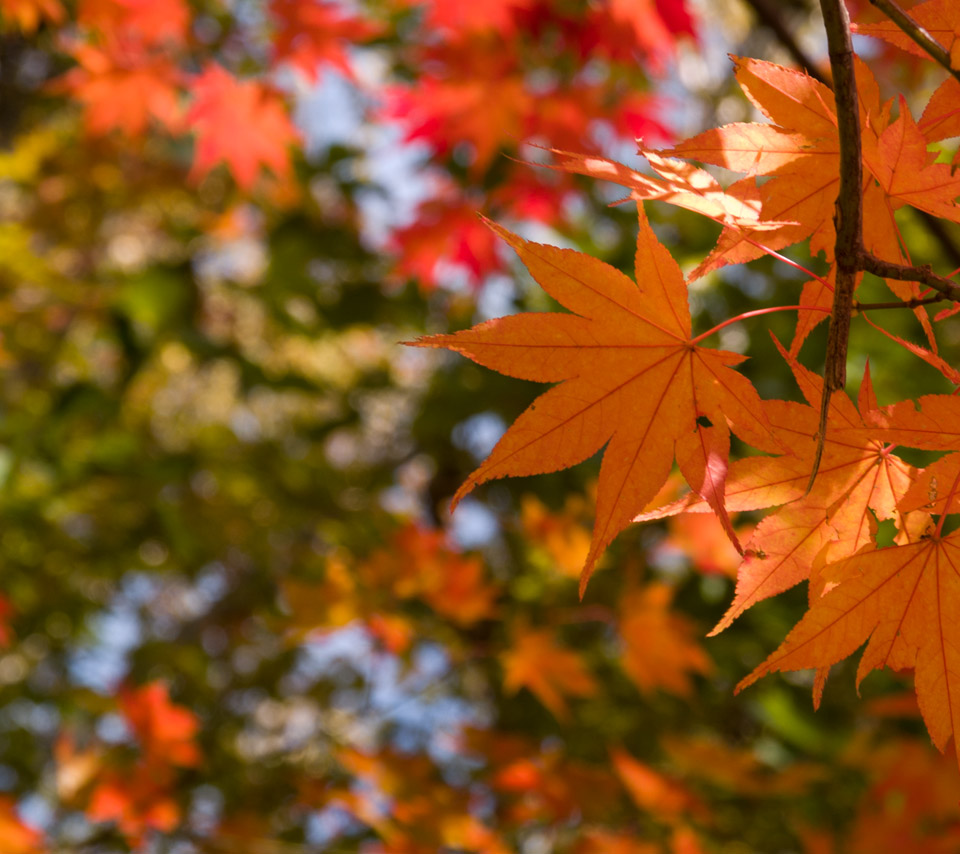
x=237 y=615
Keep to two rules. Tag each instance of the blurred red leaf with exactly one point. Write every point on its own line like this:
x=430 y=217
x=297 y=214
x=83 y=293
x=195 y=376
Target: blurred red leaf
x=241 y=123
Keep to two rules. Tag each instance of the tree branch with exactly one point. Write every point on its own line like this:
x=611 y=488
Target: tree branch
x=851 y=257
x=909 y=303
x=916 y=32
x=848 y=218
x=768 y=15
x=924 y=275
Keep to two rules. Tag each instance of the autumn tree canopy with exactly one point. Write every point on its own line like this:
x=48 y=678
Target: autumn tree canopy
x=272 y=581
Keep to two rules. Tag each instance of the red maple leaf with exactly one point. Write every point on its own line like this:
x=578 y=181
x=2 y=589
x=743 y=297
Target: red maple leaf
x=241 y=123
x=310 y=34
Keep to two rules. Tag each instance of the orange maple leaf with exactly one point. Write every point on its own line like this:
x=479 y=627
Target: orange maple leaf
x=420 y=563
x=549 y=671
x=736 y=769
x=148 y=22
x=631 y=377
x=138 y=800
x=907 y=173
x=903 y=599
x=241 y=123
x=652 y=791
x=677 y=183
x=659 y=649
x=912 y=803
x=859 y=479
x=124 y=89
x=799 y=154
x=940 y=18
x=700 y=538
x=941 y=116
x=561 y=535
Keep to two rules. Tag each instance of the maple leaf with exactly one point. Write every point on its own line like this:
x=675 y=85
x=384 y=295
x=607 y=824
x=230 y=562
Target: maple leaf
x=420 y=563
x=138 y=800
x=549 y=671
x=124 y=89
x=659 y=649
x=941 y=116
x=932 y=423
x=799 y=155
x=907 y=173
x=625 y=31
x=679 y=183
x=165 y=730
x=551 y=787
x=7 y=611
x=816 y=294
x=631 y=377
x=483 y=101
x=224 y=112
x=859 y=480
x=701 y=539
x=931 y=492
x=904 y=600
x=912 y=803
x=652 y=791
x=446 y=230
x=76 y=769
x=563 y=113
x=637 y=21
x=147 y=22
x=527 y=196
x=940 y=18
x=561 y=535
x=310 y=34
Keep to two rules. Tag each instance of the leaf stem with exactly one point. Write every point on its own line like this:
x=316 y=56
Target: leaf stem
x=757 y=313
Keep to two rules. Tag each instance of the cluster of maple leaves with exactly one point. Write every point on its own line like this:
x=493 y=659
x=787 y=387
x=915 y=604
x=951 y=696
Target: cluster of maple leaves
x=633 y=378
x=631 y=374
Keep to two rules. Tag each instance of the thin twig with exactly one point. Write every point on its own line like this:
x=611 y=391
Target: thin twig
x=848 y=218
x=916 y=32
x=768 y=15
x=908 y=303
x=923 y=274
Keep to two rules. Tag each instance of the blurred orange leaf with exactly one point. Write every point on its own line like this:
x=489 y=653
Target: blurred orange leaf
x=549 y=671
